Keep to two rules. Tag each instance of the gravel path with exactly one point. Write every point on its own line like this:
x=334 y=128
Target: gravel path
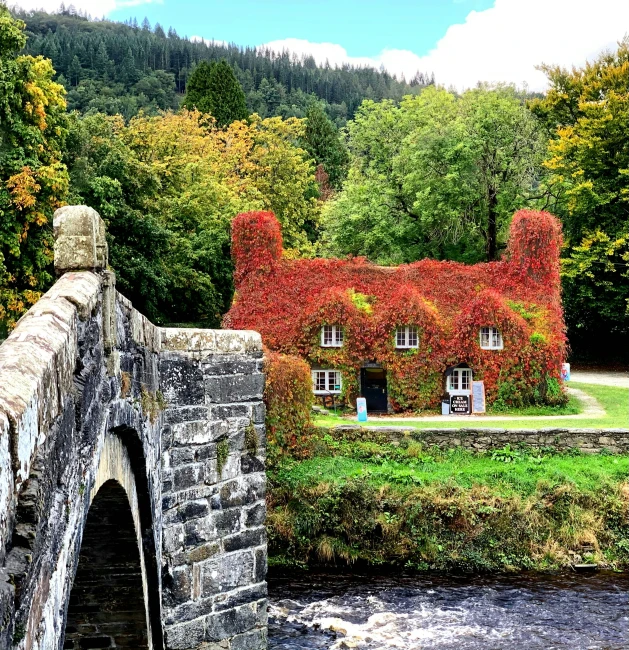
x=602 y=377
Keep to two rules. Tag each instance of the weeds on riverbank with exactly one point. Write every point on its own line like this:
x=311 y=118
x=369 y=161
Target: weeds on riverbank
x=449 y=510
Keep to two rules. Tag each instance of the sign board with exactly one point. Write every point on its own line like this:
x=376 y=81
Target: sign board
x=459 y=404
x=478 y=397
x=361 y=409
x=565 y=371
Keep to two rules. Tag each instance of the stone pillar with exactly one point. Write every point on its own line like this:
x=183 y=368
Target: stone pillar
x=80 y=243
x=213 y=485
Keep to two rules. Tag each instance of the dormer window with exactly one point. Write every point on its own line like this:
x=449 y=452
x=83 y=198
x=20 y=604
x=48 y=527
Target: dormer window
x=490 y=338
x=406 y=337
x=332 y=336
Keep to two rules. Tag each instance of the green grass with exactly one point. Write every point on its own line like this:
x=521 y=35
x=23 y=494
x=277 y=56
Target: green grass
x=387 y=465
x=430 y=509
x=614 y=400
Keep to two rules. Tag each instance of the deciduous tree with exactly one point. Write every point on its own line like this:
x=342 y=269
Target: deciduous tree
x=33 y=181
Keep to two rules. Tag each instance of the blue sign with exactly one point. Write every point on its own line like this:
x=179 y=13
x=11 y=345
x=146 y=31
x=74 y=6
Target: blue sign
x=361 y=409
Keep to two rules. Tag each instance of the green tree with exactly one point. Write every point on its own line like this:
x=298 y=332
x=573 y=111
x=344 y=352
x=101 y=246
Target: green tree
x=437 y=176
x=586 y=111
x=33 y=181
x=323 y=142
x=213 y=88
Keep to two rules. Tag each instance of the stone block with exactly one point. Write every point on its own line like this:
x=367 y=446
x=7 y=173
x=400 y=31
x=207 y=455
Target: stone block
x=246 y=539
x=186 y=636
x=240 y=596
x=226 y=572
x=229 y=364
x=181 y=382
x=6 y=484
x=256 y=515
x=199 y=432
x=234 y=388
x=231 y=622
x=261 y=566
x=256 y=640
x=80 y=242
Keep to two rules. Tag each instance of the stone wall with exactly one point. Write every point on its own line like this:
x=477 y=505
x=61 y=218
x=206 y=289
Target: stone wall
x=588 y=441
x=214 y=539
x=92 y=394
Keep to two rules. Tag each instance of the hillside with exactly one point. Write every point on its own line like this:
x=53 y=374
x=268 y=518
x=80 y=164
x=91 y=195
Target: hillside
x=122 y=68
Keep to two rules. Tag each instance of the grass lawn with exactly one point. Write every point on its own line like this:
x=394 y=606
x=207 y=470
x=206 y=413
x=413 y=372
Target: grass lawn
x=614 y=400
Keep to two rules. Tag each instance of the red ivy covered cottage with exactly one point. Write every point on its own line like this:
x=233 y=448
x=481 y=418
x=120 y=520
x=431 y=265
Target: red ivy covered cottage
x=406 y=337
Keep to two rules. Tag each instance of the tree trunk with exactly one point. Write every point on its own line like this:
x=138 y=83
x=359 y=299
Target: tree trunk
x=492 y=227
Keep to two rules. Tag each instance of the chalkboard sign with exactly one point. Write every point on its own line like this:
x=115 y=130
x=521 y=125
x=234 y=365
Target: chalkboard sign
x=478 y=397
x=459 y=404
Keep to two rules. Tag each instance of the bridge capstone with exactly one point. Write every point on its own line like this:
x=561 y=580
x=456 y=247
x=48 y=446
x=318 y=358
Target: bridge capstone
x=131 y=467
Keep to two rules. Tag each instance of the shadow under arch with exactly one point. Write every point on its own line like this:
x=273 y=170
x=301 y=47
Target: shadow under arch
x=114 y=602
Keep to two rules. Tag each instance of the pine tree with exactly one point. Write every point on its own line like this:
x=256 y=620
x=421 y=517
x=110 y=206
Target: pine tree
x=198 y=89
x=323 y=143
x=213 y=88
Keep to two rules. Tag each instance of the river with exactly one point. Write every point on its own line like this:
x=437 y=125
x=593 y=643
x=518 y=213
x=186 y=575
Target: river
x=529 y=611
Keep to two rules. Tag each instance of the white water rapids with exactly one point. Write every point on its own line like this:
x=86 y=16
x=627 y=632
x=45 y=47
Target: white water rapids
x=551 y=612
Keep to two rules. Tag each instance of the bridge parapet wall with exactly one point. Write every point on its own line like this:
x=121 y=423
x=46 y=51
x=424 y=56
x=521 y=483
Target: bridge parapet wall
x=82 y=366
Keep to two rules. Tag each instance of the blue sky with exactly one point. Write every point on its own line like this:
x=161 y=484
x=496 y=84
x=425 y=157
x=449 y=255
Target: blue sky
x=463 y=42
x=362 y=27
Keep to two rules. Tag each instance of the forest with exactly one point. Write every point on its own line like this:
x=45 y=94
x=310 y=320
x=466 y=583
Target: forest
x=118 y=68
x=170 y=139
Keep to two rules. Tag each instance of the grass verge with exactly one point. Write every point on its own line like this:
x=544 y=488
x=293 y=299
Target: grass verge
x=615 y=402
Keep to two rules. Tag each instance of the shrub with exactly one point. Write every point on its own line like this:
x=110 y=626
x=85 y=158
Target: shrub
x=288 y=398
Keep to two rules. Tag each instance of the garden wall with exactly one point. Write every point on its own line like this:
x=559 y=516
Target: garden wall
x=590 y=441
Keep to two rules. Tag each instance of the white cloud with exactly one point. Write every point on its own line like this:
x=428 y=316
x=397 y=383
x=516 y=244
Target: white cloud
x=96 y=8
x=501 y=44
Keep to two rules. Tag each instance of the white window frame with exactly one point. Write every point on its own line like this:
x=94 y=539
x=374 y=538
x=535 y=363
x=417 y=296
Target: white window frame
x=490 y=338
x=403 y=342
x=462 y=376
x=331 y=336
x=330 y=378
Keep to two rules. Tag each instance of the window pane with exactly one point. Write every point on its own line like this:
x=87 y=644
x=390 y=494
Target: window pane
x=400 y=337
x=327 y=335
x=454 y=380
x=484 y=337
x=339 y=335
x=320 y=380
x=495 y=338
x=465 y=379
x=412 y=337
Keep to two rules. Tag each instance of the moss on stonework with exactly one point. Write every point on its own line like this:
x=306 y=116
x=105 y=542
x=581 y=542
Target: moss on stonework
x=152 y=403
x=251 y=439
x=222 y=452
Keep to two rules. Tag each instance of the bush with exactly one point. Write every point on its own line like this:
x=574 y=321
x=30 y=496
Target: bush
x=288 y=398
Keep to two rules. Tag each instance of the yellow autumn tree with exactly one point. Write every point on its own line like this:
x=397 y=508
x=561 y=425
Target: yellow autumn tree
x=33 y=180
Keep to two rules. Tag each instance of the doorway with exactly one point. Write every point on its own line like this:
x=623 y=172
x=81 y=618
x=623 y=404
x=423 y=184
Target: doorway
x=373 y=384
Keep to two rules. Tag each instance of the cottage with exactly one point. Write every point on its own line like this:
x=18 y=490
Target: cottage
x=407 y=337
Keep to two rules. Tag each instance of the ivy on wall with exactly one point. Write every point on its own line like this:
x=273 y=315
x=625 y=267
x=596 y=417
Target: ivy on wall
x=288 y=301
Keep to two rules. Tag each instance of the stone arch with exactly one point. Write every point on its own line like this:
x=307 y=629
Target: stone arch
x=110 y=604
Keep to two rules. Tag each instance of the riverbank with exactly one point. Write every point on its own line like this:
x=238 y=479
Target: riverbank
x=431 y=509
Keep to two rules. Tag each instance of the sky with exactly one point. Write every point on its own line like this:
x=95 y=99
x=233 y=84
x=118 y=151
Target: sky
x=462 y=42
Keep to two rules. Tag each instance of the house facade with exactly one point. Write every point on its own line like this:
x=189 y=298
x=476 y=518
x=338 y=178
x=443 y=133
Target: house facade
x=409 y=337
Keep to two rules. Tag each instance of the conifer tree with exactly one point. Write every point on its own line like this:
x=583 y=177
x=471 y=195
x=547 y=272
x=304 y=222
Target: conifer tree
x=323 y=143
x=213 y=88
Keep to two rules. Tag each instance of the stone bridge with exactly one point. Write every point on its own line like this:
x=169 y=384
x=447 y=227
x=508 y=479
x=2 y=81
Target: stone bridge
x=131 y=471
